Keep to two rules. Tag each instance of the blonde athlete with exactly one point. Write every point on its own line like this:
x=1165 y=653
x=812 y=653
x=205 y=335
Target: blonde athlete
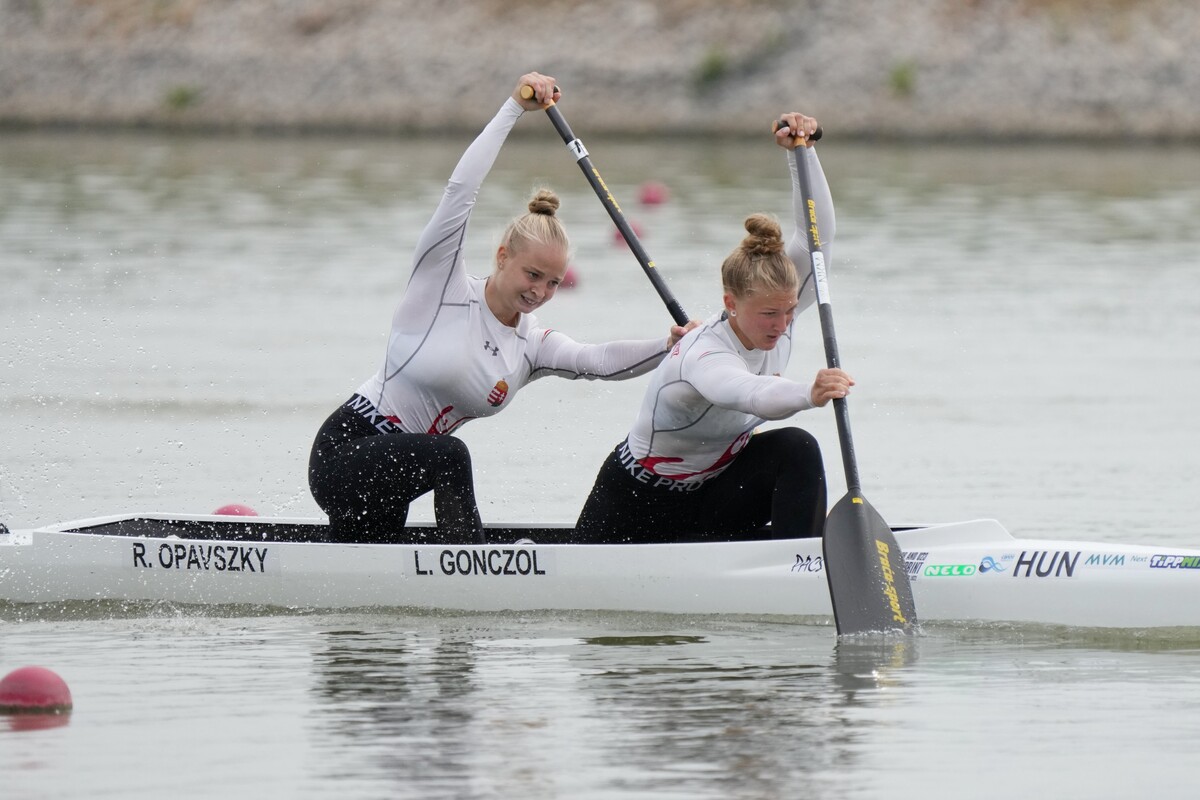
x=460 y=348
x=692 y=468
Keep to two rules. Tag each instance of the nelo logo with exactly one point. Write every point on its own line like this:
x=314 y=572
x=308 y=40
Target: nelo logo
x=949 y=570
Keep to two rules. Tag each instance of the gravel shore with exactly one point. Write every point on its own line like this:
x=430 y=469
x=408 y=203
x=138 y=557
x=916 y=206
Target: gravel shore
x=999 y=69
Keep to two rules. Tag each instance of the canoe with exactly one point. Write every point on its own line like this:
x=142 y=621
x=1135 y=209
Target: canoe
x=962 y=571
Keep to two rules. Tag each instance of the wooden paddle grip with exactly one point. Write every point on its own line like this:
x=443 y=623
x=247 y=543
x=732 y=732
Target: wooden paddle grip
x=527 y=91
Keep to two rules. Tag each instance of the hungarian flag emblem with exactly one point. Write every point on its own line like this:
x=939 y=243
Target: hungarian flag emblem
x=498 y=393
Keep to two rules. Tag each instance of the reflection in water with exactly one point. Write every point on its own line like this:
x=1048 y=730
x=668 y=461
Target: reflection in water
x=36 y=722
x=870 y=663
x=407 y=691
x=656 y=640
x=700 y=713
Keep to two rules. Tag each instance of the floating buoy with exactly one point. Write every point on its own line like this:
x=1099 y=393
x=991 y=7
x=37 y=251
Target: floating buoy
x=618 y=238
x=235 y=510
x=653 y=193
x=570 y=279
x=34 y=690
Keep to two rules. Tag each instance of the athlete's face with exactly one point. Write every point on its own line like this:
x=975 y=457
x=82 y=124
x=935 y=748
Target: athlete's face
x=524 y=279
x=760 y=319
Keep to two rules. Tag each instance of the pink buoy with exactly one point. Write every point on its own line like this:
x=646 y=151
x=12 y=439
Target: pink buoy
x=570 y=279
x=653 y=193
x=619 y=238
x=235 y=510
x=34 y=690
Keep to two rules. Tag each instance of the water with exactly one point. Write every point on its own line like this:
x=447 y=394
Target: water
x=179 y=314
x=594 y=705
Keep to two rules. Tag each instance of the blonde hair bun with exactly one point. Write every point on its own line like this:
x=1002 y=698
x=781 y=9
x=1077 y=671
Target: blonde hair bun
x=545 y=202
x=539 y=225
x=759 y=264
x=766 y=237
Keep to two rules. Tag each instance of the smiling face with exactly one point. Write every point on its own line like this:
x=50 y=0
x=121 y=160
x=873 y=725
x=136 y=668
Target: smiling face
x=524 y=280
x=760 y=319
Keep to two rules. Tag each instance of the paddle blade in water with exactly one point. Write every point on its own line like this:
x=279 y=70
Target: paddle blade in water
x=865 y=568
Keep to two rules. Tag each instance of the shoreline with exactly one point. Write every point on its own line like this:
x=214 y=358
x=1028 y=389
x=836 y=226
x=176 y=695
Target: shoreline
x=932 y=70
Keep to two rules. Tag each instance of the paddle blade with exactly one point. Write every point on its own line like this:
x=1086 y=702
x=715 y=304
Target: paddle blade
x=865 y=568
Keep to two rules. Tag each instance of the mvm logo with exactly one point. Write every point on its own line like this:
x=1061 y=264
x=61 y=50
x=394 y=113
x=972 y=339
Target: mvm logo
x=1044 y=564
x=1105 y=560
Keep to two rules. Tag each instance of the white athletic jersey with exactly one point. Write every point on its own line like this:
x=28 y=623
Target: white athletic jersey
x=709 y=394
x=449 y=360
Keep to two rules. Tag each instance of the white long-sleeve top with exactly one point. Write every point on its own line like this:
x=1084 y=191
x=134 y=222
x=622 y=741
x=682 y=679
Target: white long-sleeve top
x=709 y=394
x=449 y=359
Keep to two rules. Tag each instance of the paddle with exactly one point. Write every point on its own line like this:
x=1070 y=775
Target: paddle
x=868 y=584
x=614 y=210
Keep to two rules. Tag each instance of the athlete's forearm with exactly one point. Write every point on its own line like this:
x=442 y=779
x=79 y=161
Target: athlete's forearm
x=612 y=361
x=725 y=383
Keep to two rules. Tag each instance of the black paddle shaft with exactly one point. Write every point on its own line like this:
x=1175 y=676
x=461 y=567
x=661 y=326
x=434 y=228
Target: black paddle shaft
x=614 y=210
x=841 y=409
x=868 y=585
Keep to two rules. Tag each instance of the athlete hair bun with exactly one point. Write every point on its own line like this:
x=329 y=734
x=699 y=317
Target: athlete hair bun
x=539 y=225
x=544 y=201
x=766 y=237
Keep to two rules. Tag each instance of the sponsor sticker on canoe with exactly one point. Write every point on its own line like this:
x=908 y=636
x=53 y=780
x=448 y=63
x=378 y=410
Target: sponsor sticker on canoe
x=808 y=564
x=913 y=562
x=992 y=565
x=1174 y=562
x=1105 y=560
x=949 y=570
x=481 y=561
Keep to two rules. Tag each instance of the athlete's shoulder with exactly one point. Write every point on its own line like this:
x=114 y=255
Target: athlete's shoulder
x=537 y=338
x=712 y=336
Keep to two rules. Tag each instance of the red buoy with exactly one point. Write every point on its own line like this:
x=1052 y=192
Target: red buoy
x=653 y=193
x=235 y=510
x=34 y=690
x=570 y=279
x=619 y=238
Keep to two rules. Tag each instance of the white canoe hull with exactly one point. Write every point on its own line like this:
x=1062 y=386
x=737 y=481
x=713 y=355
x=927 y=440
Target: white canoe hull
x=967 y=571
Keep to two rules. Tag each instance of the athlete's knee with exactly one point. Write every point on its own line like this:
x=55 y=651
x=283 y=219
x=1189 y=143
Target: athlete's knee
x=797 y=438
x=454 y=457
x=324 y=481
x=790 y=444
x=796 y=448
x=455 y=448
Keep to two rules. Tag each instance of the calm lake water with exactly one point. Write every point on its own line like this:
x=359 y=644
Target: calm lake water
x=178 y=315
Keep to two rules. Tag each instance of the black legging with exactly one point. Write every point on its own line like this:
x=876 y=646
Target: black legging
x=364 y=480
x=778 y=478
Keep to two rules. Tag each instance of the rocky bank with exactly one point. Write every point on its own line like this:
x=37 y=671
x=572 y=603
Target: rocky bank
x=1006 y=69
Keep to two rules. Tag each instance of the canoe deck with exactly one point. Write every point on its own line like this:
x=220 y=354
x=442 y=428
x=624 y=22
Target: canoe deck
x=258 y=529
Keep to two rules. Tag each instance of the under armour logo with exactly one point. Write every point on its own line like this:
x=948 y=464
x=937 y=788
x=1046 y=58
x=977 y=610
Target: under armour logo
x=493 y=349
